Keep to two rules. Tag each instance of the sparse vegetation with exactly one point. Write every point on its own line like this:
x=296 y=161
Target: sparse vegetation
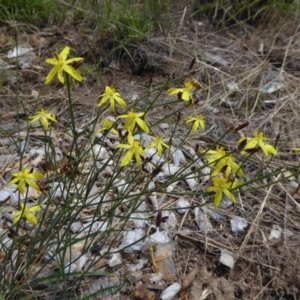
x=248 y=10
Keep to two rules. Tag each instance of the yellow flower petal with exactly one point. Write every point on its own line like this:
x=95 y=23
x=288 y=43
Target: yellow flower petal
x=26 y=213
x=257 y=141
x=72 y=72
x=218 y=198
x=22 y=186
x=32 y=184
x=186 y=96
x=34 y=208
x=13 y=181
x=185 y=92
x=51 y=74
x=220 y=186
x=133 y=118
x=134 y=149
x=126 y=159
x=24 y=177
x=60 y=76
x=31 y=218
x=210 y=189
x=64 y=53
x=112 y=95
x=174 y=91
x=43 y=117
x=142 y=125
x=60 y=64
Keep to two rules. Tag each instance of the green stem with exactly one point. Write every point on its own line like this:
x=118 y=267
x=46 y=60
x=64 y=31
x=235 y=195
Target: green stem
x=71 y=106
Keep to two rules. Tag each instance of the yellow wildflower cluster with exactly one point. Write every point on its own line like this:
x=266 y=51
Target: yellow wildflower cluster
x=224 y=165
x=225 y=168
x=25 y=178
x=25 y=212
x=113 y=96
x=185 y=94
x=43 y=116
x=256 y=143
x=222 y=186
x=134 y=148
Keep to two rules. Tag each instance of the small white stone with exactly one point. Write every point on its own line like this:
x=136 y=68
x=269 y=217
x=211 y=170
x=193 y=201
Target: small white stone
x=164 y=125
x=5 y=243
x=160 y=237
x=213 y=213
x=95 y=226
x=7 y=191
x=155 y=278
x=162 y=177
x=206 y=172
x=58 y=190
x=142 y=262
x=225 y=203
x=181 y=205
x=171 y=187
x=226 y=258
x=191 y=181
x=143 y=138
x=76 y=226
x=19 y=51
x=191 y=152
x=99 y=152
x=132 y=238
x=170 y=292
x=77 y=265
x=138 y=219
x=238 y=224
x=232 y=86
x=170 y=169
x=272 y=87
x=275 y=232
x=115 y=260
x=177 y=155
x=121 y=185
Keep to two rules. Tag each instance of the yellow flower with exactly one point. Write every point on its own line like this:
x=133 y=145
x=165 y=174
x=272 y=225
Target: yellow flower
x=26 y=213
x=43 y=117
x=222 y=160
x=111 y=95
x=24 y=178
x=61 y=63
x=135 y=150
x=257 y=141
x=107 y=126
x=132 y=119
x=220 y=186
x=184 y=93
x=197 y=121
x=159 y=144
